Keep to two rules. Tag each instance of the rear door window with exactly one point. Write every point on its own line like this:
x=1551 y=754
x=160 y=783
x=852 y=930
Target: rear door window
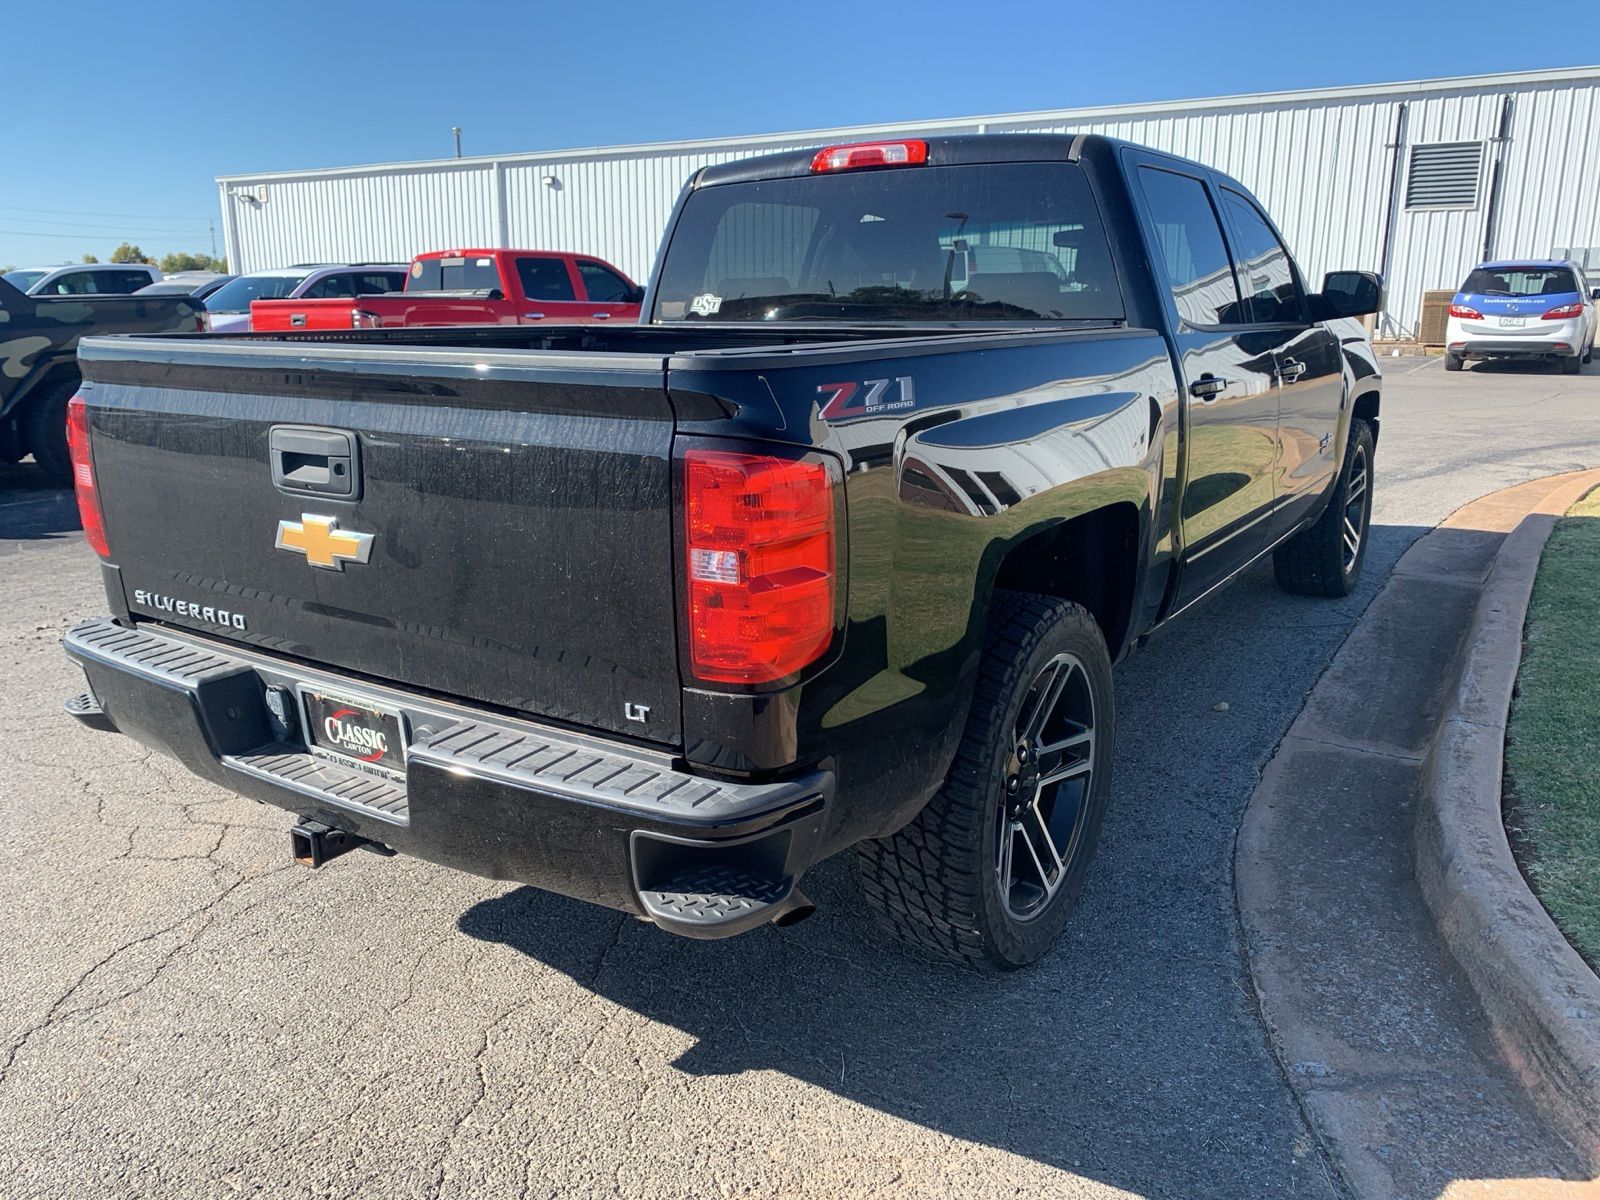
x=331 y=287
x=1267 y=275
x=120 y=283
x=372 y=283
x=989 y=242
x=545 y=279
x=1190 y=245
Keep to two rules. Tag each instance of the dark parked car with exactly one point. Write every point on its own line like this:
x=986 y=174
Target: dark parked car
x=830 y=552
x=197 y=285
x=38 y=361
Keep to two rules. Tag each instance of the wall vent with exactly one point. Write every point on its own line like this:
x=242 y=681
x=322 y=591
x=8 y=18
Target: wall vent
x=1444 y=175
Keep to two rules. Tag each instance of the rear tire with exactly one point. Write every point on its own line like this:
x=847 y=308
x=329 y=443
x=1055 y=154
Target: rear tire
x=1326 y=559
x=46 y=428
x=969 y=878
x=1572 y=365
x=1452 y=362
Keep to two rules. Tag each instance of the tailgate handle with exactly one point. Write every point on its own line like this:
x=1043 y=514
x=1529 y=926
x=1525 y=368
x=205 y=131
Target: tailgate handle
x=318 y=462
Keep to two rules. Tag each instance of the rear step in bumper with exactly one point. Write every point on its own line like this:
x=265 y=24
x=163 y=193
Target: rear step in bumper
x=590 y=818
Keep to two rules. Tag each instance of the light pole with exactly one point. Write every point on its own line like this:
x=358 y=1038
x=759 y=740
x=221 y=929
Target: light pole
x=456 y=129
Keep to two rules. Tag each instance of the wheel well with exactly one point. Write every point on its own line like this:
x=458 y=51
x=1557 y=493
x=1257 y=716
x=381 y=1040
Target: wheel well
x=62 y=374
x=1366 y=409
x=1090 y=560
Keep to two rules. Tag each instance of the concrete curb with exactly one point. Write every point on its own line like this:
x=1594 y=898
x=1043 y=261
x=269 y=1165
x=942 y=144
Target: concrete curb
x=1541 y=999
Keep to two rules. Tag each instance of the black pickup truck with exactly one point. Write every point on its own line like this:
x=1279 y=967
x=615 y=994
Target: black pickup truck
x=39 y=338
x=835 y=550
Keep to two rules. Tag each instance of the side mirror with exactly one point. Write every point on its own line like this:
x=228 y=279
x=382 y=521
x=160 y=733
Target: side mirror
x=634 y=295
x=1351 y=293
x=1594 y=293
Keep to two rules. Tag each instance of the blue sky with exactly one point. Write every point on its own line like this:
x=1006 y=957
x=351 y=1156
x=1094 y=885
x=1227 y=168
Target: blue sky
x=118 y=115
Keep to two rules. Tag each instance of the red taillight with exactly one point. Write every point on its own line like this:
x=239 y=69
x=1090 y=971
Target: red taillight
x=761 y=565
x=361 y=319
x=94 y=521
x=1565 y=313
x=870 y=154
x=1464 y=313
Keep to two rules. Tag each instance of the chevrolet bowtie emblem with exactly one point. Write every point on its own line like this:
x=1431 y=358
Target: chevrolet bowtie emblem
x=322 y=543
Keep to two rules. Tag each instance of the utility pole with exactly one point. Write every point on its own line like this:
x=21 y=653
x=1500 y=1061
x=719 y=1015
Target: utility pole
x=456 y=129
x=213 y=226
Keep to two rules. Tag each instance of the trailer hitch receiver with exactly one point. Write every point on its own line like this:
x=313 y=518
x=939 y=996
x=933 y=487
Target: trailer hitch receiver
x=312 y=843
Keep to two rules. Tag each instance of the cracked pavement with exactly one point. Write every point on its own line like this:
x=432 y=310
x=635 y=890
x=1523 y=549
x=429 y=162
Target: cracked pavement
x=186 y=1014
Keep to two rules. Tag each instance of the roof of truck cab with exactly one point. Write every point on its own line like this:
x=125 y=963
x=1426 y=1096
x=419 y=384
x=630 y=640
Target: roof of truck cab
x=955 y=150
x=490 y=251
x=1507 y=264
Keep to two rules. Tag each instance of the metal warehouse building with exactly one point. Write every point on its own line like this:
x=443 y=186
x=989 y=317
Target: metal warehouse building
x=1417 y=180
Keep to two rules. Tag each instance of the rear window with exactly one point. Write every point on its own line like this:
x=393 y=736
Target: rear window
x=1013 y=242
x=466 y=274
x=1521 y=281
x=23 y=280
x=235 y=297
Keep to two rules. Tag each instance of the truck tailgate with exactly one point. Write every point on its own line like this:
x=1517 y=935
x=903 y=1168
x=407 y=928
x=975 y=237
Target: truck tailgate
x=517 y=506
x=283 y=316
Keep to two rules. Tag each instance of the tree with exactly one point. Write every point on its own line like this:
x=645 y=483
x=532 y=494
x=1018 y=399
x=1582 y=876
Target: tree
x=181 y=261
x=89 y=258
x=126 y=253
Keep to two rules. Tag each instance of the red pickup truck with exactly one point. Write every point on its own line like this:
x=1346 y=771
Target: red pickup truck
x=474 y=287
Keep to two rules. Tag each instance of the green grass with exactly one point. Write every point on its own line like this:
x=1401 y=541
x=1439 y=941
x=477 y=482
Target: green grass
x=1553 y=743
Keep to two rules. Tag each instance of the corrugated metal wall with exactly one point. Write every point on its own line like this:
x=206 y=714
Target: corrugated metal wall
x=1321 y=163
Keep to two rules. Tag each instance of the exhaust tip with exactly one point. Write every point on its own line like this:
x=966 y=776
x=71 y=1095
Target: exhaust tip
x=793 y=910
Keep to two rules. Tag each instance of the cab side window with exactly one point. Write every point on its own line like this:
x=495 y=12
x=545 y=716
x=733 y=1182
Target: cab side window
x=1190 y=246
x=375 y=283
x=120 y=283
x=1266 y=272
x=331 y=287
x=603 y=285
x=73 y=283
x=545 y=279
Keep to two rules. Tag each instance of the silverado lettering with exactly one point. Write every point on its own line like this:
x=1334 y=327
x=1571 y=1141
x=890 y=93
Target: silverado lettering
x=651 y=619
x=187 y=608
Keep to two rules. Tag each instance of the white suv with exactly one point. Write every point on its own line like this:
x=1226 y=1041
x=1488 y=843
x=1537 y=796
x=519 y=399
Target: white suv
x=92 y=279
x=1523 y=308
x=228 y=308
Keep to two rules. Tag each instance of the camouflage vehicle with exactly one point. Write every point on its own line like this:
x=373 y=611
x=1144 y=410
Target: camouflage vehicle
x=39 y=361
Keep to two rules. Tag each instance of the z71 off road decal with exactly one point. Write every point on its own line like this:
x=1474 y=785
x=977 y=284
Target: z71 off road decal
x=865 y=399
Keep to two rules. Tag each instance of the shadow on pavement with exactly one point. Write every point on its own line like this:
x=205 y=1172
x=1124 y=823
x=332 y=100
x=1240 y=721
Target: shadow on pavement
x=32 y=507
x=1133 y=1054
x=1516 y=366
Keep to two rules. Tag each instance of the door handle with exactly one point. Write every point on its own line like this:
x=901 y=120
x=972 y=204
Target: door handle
x=533 y=316
x=319 y=462
x=601 y=316
x=1290 y=369
x=1207 y=388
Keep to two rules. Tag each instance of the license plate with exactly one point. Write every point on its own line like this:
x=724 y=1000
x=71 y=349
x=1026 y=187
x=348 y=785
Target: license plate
x=355 y=731
x=1513 y=322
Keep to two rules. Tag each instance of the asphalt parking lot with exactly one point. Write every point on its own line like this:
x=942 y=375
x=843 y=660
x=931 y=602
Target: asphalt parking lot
x=187 y=1014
